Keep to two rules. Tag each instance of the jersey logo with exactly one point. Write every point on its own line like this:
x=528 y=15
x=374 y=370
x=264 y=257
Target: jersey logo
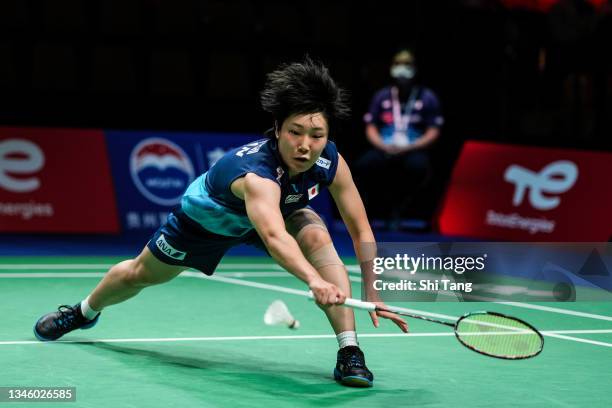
x=250 y=148
x=321 y=162
x=293 y=198
x=168 y=249
x=313 y=191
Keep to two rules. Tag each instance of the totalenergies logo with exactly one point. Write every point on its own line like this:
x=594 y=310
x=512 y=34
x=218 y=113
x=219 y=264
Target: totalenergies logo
x=19 y=160
x=161 y=170
x=543 y=186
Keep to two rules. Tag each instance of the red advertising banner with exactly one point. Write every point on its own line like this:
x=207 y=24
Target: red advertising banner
x=529 y=194
x=55 y=180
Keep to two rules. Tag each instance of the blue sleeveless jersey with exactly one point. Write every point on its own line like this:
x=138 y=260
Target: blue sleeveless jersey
x=210 y=202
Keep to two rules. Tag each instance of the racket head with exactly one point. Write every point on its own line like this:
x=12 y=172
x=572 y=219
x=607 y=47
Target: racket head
x=497 y=335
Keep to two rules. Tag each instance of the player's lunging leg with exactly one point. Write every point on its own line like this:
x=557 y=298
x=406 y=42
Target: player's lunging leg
x=127 y=278
x=316 y=244
x=123 y=281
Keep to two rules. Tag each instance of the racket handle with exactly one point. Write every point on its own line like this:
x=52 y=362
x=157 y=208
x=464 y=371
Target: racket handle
x=353 y=303
x=360 y=304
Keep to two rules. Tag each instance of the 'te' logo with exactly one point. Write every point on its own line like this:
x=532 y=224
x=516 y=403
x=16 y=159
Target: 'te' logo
x=556 y=178
x=18 y=156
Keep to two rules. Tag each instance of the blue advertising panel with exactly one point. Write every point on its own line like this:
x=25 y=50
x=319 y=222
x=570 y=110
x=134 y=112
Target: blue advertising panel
x=152 y=169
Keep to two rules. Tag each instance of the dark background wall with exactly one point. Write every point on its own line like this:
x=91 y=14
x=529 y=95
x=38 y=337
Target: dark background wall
x=503 y=72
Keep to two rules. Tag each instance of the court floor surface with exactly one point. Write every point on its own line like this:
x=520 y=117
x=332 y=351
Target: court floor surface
x=199 y=341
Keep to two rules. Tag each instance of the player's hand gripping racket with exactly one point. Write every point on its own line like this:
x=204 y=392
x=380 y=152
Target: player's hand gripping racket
x=489 y=333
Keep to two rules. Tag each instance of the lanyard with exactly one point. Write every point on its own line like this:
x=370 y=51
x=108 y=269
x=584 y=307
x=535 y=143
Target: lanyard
x=401 y=121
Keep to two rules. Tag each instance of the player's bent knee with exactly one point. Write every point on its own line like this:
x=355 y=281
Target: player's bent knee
x=325 y=255
x=313 y=237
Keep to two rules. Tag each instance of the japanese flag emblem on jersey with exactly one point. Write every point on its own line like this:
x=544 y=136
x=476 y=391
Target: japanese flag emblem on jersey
x=313 y=191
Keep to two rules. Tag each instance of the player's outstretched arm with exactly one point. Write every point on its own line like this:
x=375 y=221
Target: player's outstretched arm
x=353 y=213
x=351 y=208
x=261 y=197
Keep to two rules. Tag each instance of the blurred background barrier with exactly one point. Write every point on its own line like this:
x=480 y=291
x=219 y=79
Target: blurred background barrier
x=103 y=181
x=533 y=73
x=56 y=180
x=520 y=193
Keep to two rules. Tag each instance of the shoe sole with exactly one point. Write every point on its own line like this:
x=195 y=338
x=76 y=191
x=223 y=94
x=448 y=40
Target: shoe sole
x=84 y=327
x=352 y=380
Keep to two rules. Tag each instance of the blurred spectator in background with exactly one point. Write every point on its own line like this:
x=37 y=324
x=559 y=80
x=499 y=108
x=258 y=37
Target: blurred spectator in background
x=402 y=123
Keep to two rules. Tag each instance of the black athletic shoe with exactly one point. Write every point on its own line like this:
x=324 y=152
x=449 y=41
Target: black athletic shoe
x=54 y=325
x=351 y=369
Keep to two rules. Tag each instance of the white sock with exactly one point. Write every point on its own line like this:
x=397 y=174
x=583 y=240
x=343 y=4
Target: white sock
x=347 y=338
x=87 y=311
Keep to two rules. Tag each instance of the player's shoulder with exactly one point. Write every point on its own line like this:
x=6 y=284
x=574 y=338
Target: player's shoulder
x=251 y=148
x=330 y=148
x=256 y=157
x=328 y=157
x=326 y=165
x=259 y=152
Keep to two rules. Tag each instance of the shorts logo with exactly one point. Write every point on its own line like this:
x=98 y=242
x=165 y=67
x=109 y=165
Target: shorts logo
x=321 y=162
x=168 y=249
x=293 y=198
x=161 y=170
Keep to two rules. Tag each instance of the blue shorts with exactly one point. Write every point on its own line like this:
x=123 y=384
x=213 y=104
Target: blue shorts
x=182 y=241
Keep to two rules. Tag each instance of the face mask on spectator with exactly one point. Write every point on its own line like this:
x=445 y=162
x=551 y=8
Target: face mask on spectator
x=402 y=71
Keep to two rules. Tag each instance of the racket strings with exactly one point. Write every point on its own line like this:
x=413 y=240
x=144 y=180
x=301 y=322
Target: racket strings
x=499 y=336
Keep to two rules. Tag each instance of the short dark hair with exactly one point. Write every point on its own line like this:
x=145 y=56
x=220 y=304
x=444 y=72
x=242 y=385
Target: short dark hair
x=301 y=88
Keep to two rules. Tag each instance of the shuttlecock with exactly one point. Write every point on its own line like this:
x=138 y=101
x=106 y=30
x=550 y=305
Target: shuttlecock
x=278 y=314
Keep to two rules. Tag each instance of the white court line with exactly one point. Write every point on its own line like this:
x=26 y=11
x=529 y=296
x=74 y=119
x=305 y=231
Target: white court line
x=21 y=275
x=241 y=282
x=17 y=267
x=580 y=340
x=271 y=274
x=224 y=338
x=557 y=310
x=302 y=293
x=554 y=333
x=579 y=331
x=286 y=274
x=531 y=306
x=222 y=266
x=236 y=274
x=26 y=275
x=256 y=274
x=216 y=277
x=414 y=311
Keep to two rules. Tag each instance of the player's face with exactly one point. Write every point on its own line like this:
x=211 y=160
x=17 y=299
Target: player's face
x=301 y=140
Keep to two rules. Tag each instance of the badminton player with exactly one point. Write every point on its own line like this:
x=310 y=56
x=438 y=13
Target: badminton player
x=258 y=194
